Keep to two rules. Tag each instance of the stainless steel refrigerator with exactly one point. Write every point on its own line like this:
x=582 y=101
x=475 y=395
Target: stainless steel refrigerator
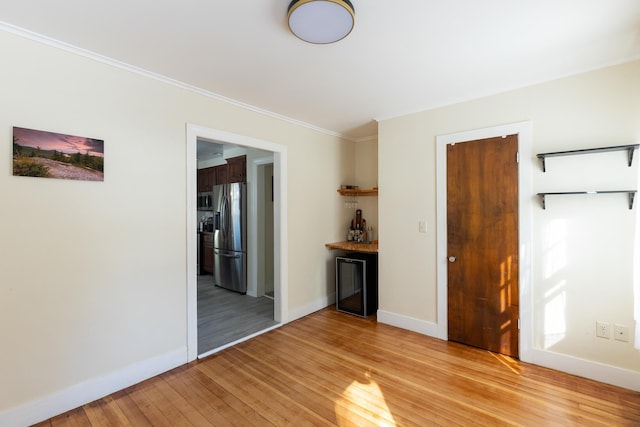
x=230 y=236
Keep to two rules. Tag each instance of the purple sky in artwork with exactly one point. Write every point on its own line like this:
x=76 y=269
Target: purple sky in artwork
x=68 y=144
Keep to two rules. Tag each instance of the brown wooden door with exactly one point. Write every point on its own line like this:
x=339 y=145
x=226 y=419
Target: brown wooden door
x=482 y=233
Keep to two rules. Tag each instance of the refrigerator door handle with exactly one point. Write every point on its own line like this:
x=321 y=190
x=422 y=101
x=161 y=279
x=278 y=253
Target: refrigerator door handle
x=222 y=219
x=228 y=255
x=216 y=220
x=225 y=216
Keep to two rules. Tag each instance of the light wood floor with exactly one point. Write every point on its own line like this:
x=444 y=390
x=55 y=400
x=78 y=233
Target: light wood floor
x=331 y=368
x=225 y=316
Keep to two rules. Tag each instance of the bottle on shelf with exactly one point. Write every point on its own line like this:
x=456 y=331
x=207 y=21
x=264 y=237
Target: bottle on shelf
x=357 y=231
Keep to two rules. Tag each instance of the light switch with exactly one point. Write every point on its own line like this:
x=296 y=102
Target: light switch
x=422 y=226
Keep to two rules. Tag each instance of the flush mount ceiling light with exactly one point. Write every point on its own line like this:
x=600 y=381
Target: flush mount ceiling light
x=321 y=21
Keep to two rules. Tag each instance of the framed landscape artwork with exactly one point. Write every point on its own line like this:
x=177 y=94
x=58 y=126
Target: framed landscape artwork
x=55 y=155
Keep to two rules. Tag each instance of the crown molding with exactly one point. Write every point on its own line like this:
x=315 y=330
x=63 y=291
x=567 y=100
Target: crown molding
x=22 y=32
x=365 y=138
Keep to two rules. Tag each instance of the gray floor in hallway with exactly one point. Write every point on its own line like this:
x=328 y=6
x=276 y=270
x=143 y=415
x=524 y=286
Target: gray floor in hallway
x=225 y=316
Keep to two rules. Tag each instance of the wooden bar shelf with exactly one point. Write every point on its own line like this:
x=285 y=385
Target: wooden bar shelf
x=354 y=247
x=358 y=192
x=629 y=148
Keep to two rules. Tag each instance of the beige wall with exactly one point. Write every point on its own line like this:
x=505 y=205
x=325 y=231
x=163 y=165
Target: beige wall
x=366 y=167
x=582 y=250
x=93 y=275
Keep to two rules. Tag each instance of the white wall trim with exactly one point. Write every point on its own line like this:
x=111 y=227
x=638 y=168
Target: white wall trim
x=93 y=389
x=281 y=236
x=192 y=243
x=523 y=130
x=280 y=227
x=252 y=226
x=587 y=369
x=410 y=323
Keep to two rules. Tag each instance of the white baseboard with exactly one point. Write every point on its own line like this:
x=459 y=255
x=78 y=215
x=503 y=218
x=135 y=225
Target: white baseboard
x=587 y=369
x=312 y=307
x=93 y=389
x=416 y=325
x=560 y=362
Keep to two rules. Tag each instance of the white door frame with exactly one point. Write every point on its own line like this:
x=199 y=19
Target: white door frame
x=280 y=223
x=523 y=130
x=253 y=240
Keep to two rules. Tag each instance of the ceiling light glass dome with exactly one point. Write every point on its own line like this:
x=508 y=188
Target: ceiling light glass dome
x=321 y=21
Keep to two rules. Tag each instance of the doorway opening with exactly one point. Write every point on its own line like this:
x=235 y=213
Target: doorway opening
x=523 y=132
x=250 y=314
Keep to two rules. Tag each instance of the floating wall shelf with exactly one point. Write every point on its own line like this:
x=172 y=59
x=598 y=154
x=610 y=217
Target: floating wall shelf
x=631 y=193
x=358 y=192
x=629 y=148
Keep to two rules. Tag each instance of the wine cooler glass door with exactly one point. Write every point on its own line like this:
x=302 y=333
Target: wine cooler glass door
x=350 y=286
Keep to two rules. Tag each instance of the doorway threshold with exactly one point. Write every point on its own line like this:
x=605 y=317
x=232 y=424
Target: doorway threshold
x=238 y=341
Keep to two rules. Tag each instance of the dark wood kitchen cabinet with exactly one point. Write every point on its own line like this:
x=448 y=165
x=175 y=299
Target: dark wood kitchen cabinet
x=206 y=253
x=205 y=179
x=220 y=174
x=237 y=171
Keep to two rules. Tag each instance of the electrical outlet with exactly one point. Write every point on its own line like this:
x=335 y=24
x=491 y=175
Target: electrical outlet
x=621 y=332
x=603 y=330
x=422 y=226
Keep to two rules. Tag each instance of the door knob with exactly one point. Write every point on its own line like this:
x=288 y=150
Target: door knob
x=452 y=259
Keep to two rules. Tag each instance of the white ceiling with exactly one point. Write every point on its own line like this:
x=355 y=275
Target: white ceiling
x=402 y=56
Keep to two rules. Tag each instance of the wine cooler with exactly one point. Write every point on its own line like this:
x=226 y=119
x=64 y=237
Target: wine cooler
x=357 y=284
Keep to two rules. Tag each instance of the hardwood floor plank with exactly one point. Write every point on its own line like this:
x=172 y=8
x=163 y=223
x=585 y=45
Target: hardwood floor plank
x=155 y=407
x=105 y=412
x=330 y=368
x=236 y=411
x=274 y=406
x=185 y=408
x=321 y=402
x=95 y=414
x=74 y=418
x=128 y=407
x=205 y=403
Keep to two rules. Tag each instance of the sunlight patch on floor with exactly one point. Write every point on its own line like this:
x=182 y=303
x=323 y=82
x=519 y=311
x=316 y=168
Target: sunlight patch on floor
x=507 y=361
x=363 y=403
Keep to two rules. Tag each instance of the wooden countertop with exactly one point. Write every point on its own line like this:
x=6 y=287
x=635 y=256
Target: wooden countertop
x=355 y=247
